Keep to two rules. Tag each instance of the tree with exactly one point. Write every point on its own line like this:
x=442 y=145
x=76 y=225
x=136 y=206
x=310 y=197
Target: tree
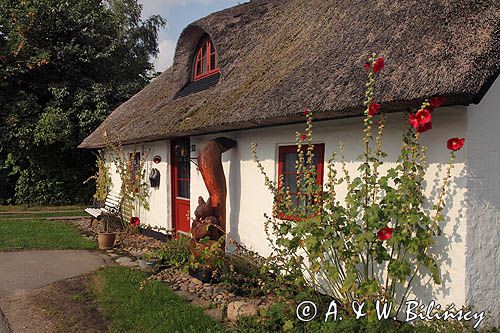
x=64 y=66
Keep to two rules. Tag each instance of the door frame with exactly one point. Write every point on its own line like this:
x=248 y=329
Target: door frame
x=173 y=183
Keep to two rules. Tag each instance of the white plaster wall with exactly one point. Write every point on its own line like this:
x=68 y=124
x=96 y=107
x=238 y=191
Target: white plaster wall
x=248 y=198
x=483 y=204
x=159 y=214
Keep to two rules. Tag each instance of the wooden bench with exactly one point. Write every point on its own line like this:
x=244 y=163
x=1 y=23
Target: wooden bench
x=111 y=207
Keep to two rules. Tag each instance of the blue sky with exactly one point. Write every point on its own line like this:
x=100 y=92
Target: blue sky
x=178 y=13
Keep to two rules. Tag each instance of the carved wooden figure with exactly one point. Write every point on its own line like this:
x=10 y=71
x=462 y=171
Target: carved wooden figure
x=210 y=216
x=210 y=165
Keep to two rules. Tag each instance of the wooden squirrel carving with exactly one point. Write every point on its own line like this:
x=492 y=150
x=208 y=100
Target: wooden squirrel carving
x=210 y=216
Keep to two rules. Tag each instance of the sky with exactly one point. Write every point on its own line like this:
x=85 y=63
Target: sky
x=178 y=13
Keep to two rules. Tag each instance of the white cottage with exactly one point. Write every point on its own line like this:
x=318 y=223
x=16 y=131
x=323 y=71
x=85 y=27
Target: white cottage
x=248 y=72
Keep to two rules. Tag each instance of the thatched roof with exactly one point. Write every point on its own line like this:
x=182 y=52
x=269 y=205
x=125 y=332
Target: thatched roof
x=279 y=56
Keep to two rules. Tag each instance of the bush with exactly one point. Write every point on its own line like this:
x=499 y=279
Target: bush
x=174 y=253
x=282 y=318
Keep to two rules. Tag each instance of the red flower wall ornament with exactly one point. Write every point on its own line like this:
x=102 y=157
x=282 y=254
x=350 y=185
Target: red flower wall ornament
x=455 y=143
x=385 y=233
x=436 y=101
x=303 y=137
x=367 y=66
x=378 y=65
x=373 y=108
x=306 y=112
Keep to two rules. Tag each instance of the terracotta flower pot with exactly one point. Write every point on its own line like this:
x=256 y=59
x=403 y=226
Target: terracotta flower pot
x=106 y=240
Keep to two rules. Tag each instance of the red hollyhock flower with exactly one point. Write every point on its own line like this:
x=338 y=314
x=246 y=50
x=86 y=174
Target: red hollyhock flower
x=378 y=65
x=413 y=121
x=367 y=66
x=423 y=116
x=306 y=112
x=424 y=128
x=373 y=108
x=303 y=137
x=135 y=221
x=455 y=143
x=436 y=101
x=385 y=233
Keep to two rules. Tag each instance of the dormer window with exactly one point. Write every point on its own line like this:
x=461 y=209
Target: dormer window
x=205 y=62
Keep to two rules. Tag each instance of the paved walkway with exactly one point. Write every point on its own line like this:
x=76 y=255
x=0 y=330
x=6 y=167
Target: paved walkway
x=28 y=270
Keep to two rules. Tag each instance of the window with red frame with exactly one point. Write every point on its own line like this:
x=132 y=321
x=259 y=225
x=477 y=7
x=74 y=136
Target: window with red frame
x=135 y=160
x=287 y=167
x=205 y=61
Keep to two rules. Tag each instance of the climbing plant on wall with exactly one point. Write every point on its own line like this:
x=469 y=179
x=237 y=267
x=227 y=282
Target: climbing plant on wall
x=131 y=167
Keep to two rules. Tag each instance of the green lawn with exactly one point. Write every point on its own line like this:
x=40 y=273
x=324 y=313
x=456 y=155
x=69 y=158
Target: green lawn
x=41 y=215
x=153 y=309
x=40 y=234
x=24 y=227
x=38 y=208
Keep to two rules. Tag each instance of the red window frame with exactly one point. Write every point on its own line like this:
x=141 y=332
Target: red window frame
x=204 y=52
x=319 y=152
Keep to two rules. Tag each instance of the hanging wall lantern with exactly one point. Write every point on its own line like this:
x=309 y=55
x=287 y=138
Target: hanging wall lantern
x=181 y=150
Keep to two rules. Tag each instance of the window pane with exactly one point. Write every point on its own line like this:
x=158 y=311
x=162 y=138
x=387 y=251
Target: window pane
x=183 y=188
x=203 y=65
x=183 y=175
x=290 y=162
x=213 y=65
x=290 y=180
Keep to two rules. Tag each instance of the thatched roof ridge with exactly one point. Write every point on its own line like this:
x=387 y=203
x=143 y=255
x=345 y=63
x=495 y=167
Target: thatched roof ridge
x=279 y=56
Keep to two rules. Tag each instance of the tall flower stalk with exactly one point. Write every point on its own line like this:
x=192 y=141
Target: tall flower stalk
x=376 y=240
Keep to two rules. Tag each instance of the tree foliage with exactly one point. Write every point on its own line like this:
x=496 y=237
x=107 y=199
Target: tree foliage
x=64 y=66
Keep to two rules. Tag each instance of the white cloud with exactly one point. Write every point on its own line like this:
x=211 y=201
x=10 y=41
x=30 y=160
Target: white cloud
x=166 y=55
x=173 y=3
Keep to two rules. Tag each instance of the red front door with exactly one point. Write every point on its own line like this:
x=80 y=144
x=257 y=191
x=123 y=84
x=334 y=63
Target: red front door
x=180 y=185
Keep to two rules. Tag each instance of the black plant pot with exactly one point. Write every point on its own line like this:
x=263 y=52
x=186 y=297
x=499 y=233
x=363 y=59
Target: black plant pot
x=205 y=275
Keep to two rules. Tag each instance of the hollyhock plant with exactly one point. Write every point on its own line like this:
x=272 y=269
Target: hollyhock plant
x=424 y=128
x=373 y=108
x=385 y=233
x=135 y=221
x=436 y=101
x=455 y=144
x=378 y=65
x=422 y=117
x=380 y=262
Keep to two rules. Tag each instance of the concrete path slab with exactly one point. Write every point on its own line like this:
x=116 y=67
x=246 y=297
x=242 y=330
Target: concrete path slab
x=27 y=270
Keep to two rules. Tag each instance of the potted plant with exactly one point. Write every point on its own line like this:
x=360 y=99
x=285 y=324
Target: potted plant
x=106 y=239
